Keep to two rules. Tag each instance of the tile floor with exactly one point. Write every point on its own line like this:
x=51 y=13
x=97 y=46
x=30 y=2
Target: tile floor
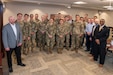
x=68 y=63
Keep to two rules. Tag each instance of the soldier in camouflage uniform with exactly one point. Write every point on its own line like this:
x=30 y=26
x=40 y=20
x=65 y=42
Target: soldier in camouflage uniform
x=83 y=26
x=26 y=34
x=77 y=33
x=37 y=21
x=46 y=18
x=33 y=30
x=56 y=20
x=42 y=33
x=67 y=31
x=60 y=36
x=50 y=35
x=19 y=21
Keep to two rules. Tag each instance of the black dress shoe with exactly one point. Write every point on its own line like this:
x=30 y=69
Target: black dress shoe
x=10 y=69
x=21 y=64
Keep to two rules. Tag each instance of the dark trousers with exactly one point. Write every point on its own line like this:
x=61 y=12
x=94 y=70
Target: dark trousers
x=17 y=53
x=88 y=42
x=93 y=45
x=100 y=51
x=82 y=41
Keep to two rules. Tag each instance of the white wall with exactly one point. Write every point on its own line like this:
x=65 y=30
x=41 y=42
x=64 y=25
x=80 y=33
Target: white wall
x=13 y=8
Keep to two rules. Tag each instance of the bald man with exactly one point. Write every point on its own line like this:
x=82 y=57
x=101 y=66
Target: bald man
x=12 y=41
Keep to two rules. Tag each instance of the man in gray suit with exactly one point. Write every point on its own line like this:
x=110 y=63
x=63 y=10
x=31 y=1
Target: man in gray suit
x=12 y=40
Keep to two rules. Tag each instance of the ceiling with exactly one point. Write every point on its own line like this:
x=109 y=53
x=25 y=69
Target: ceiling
x=91 y=4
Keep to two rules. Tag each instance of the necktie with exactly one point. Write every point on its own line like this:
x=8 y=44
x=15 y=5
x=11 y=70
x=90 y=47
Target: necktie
x=93 y=30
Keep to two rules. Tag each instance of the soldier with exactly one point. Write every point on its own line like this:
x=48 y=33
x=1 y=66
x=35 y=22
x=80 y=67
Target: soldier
x=77 y=33
x=33 y=28
x=37 y=26
x=36 y=18
x=50 y=33
x=86 y=17
x=67 y=32
x=83 y=26
x=42 y=33
x=71 y=23
x=60 y=36
x=19 y=19
x=57 y=18
x=26 y=34
x=46 y=18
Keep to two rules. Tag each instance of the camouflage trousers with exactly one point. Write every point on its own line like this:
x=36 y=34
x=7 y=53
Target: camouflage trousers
x=76 y=41
x=50 y=41
x=60 y=42
x=33 y=44
x=26 y=46
x=67 y=40
x=42 y=41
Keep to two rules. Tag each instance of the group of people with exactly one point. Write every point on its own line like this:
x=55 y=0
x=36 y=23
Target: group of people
x=28 y=32
x=49 y=33
x=96 y=40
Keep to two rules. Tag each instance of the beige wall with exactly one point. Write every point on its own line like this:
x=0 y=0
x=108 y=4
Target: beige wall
x=14 y=8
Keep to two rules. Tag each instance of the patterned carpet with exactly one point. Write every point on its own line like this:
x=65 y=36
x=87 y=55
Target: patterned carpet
x=68 y=63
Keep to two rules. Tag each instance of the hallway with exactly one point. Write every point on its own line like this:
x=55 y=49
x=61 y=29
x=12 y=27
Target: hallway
x=68 y=63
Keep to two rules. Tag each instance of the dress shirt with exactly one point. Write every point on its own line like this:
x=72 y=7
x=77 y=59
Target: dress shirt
x=101 y=27
x=14 y=29
x=89 y=27
x=93 y=29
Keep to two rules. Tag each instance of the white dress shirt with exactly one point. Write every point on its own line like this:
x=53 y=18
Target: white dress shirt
x=14 y=29
x=89 y=27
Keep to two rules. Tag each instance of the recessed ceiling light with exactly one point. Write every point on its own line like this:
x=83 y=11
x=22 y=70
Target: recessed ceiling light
x=107 y=6
x=69 y=7
x=110 y=8
x=106 y=0
x=79 y=2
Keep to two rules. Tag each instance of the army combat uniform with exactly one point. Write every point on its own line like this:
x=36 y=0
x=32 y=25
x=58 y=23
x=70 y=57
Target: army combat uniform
x=33 y=29
x=21 y=26
x=67 y=34
x=60 y=37
x=13 y=55
x=26 y=35
x=82 y=37
x=37 y=26
x=50 y=36
x=42 y=35
x=77 y=32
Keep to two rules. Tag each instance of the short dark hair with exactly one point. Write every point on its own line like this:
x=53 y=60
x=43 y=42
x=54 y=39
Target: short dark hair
x=31 y=14
x=26 y=15
x=77 y=15
x=19 y=14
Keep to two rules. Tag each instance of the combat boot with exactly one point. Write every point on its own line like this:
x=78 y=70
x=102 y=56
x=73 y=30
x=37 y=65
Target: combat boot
x=50 y=50
x=76 y=50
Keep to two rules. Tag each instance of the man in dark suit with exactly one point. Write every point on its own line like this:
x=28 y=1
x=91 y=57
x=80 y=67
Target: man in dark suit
x=12 y=41
x=101 y=41
x=93 y=37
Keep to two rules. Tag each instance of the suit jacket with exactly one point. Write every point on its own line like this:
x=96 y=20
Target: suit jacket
x=95 y=32
x=103 y=34
x=9 y=38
